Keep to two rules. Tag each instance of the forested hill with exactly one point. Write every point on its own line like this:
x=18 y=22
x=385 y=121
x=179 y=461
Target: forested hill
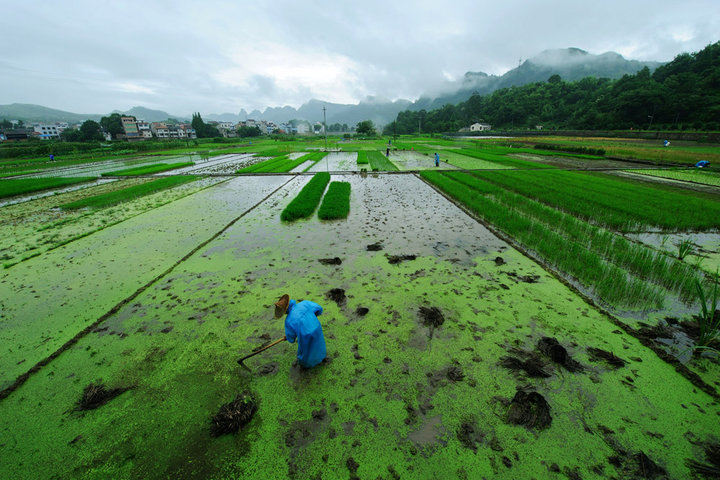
x=682 y=94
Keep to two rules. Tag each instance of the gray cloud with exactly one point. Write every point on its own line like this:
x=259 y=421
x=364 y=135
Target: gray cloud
x=190 y=56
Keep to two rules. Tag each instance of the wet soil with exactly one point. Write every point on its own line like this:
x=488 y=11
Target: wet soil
x=96 y=395
x=558 y=354
x=710 y=468
x=234 y=415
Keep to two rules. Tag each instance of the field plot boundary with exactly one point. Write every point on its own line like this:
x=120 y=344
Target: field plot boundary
x=693 y=377
x=36 y=368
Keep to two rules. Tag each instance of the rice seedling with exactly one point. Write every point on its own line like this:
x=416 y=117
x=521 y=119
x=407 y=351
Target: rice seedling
x=709 y=318
x=378 y=162
x=10 y=188
x=362 y=158
x=130 y=193
x=336 y=203
x=685 y=248
x=147 y=169
x=307 y=200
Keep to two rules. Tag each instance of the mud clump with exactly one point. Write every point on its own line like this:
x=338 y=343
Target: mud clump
x=268 y=369
x=469 y=436
x=96 y=395
x=600 y=355
x=352 y=466
x=533 y=366
x=638 y=465
x=529 y=409
x=234 y=415
x=710 y=469
x=431 y=316
x=395 y=259
x=499 y=261
x=362 y=311
x=330 y=261
x=374 y=247
x=557 y=353
x=337 y=295
x=454 y=374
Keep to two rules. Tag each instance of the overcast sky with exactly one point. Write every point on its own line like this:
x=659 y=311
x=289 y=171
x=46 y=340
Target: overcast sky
x=221 y=56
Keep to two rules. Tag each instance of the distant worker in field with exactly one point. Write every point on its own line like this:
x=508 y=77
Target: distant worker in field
x=666 y=143
x=387 y=152
x=437 y=160
x=702 y=164
x=302 y=324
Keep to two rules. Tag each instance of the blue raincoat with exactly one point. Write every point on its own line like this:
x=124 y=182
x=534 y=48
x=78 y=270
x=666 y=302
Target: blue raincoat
x=302 y=323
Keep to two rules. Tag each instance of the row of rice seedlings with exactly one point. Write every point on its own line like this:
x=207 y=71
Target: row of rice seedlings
x=613 y=202
x=266 y=165
x=696 y=176
x=147 y=169
x=130 y=193
x=362 y=158
x=378 y=162
x=20 y=186
x=285 y=164
x=709 y=318
x=307 y=200
x=336 y=203
x=609 y=282
x=642 y=262
x=501 y=158
x=315 y=157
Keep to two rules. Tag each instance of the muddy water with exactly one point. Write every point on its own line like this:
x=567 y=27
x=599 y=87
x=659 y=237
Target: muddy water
x=385 y=401
x=337 y=162
x=705 y=252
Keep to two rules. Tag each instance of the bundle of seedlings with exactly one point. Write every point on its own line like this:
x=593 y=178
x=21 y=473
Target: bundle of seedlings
x=96 y=395
x=234 y=415
x=336 y=204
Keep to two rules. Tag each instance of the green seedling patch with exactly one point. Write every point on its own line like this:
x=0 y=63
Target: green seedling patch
x=148 y=169
x=307 y=200
x=21 y=186
x=336 y=203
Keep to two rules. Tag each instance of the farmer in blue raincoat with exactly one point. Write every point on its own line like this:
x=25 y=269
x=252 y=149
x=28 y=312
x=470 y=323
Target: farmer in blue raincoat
x=302 y=324
x=702 y=164
x=437 y=160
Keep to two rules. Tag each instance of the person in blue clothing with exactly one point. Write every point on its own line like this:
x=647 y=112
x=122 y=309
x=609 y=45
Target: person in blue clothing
x=302 y=324
x=702 y=164
x=437 y=160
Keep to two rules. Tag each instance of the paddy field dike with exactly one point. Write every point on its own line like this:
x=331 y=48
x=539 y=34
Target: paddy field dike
x=524 y=310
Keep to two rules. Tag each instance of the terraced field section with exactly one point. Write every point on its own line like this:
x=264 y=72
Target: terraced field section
x=450 y=353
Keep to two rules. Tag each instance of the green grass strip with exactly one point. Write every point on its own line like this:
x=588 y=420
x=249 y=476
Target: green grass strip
x=378 y=162
x=307 y=200
x=20 y=186
x=130 y=193
x=336 y=203
x=362 y=158
x=147 y=169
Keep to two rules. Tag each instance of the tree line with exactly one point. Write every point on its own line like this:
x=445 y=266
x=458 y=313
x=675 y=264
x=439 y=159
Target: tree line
x=680 y=95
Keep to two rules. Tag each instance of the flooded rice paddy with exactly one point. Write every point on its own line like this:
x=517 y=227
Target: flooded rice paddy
x=450 y=354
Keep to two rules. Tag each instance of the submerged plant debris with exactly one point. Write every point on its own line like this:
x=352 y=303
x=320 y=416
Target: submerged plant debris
x=234 y=415
x=374 y=247
x=529 y=409
x=330 y=261
x=431 y=316
x=395 y=259
x=710 y=468
x=337 y=295
x=96 y=395
x=600 y=355
x=558 y=354
x=533 y=366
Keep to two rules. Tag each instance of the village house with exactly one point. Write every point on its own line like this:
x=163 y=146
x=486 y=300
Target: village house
x=479 y=127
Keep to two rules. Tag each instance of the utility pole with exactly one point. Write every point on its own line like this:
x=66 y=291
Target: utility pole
x=325 y=128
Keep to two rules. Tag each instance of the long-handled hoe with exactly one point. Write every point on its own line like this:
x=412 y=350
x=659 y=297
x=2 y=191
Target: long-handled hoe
x=240 y=362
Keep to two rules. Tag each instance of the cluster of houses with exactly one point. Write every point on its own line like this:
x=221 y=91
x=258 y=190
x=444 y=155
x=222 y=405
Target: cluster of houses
x=141 y=130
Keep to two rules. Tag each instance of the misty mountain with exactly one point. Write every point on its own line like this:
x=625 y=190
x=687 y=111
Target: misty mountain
x=570 y=63
x=36 y=113
x=149 y=115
